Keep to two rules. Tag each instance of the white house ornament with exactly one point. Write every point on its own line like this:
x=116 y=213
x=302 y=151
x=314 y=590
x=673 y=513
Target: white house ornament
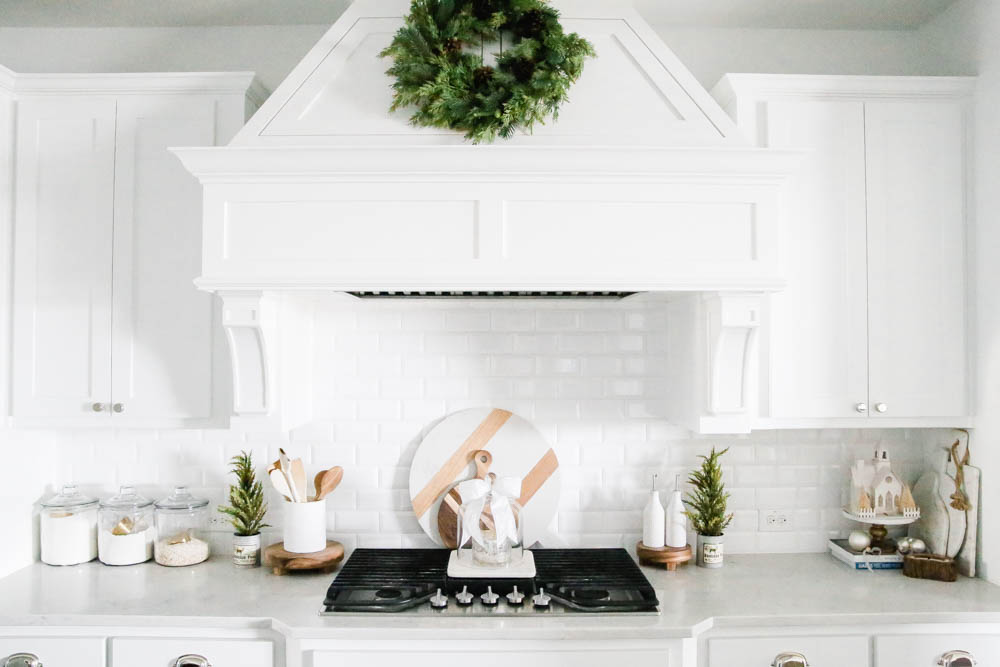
x=877 y=491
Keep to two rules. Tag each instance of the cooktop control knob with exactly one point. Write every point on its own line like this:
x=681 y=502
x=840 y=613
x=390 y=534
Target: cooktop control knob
x=464 y=598
x=541 y=599
x=489 y=598
x=439 y=601
x=515 y=597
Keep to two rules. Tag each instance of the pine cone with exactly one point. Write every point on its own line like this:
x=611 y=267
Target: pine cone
x=484 y=9
x=451 y=45
x=482 y=76
x=522 y=69
x=531 y=24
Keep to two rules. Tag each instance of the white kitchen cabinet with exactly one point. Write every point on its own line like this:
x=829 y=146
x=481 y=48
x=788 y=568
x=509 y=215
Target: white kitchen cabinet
x=107 y=324
x=499 y=653
x=63 y=219
x=929 y=650
x=160 y=652
x=825 y=651
x=872 y=323
x=56 y=651
x=915 y=167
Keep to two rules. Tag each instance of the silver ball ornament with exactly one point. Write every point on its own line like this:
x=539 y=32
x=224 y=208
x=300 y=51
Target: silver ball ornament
x=859 y=540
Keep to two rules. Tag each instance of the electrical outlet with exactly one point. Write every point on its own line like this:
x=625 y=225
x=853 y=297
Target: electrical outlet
x=775 y=521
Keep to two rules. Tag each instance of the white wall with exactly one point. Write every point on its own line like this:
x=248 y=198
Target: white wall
x=591 y=375
x=272 y=51
x=968 y=34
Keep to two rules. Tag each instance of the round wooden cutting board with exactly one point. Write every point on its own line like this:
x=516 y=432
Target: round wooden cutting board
x=444 y=457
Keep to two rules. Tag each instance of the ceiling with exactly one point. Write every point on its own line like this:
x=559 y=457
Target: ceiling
x=818 y=14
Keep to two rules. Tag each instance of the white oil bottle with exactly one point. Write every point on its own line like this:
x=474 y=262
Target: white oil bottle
x=652 y=520
x=676 y=533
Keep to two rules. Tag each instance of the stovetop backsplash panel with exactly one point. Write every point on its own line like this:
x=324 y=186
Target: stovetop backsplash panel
x=590 y=375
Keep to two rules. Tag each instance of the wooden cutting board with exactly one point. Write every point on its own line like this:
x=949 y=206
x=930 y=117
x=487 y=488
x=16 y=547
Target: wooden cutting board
x=444 y=458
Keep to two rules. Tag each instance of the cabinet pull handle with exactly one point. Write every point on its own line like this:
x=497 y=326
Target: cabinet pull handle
x=861 y=407
x=956 y=659
x=118 y=407
x=192 y=660
x=881 y=407
x=790 y=659
x=97 y=407
x=22 y=660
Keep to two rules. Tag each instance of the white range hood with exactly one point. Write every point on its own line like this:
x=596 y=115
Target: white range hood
x=643 y=185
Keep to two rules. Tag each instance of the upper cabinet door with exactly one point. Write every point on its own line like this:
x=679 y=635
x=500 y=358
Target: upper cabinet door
x=916 y=259
x=818 y=338
x=163 y=326
x=62 y=266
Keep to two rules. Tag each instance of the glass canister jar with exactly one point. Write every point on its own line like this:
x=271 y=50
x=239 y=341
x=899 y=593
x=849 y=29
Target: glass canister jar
x=181 y=522
x=125 y=529
x=490 y=529
x=69 y=528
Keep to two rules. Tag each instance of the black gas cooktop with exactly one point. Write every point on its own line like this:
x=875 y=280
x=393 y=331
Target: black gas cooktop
x=567 y=580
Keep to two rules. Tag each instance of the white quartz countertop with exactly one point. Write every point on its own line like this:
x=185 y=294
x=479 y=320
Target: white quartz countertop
x=750 y=590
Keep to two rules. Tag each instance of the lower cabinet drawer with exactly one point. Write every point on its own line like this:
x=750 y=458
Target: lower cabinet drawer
x=827 y=651
x=157 y=652
x=928 y=650
x=493 y=658
x=56 y=651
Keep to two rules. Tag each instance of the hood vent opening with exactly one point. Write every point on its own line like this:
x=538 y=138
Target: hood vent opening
x=505 y=294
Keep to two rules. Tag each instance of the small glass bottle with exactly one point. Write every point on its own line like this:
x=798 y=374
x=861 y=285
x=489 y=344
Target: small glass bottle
x=181 y=523
x=125 y=532
x=490 y=529
x=69 y=528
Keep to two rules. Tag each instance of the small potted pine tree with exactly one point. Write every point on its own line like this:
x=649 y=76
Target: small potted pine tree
x=707 y=509
x=246 y=511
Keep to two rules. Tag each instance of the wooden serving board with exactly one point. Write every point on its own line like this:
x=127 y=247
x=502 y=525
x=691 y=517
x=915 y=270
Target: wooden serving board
x=282 y=562
x=668 y=557
x=444 y=458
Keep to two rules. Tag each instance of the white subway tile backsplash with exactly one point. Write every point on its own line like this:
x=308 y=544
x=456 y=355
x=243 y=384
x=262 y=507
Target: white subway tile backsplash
x=591 y=376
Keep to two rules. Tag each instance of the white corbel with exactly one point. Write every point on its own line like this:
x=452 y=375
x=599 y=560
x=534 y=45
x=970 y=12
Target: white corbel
x=244 y=322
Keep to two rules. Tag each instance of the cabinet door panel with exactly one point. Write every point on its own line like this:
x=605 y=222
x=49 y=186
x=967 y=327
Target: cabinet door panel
x=62 y=265
x=916 y=258
x=925 y=651
x=157 y=652
x=163 y=326
x=845 y=651
x=819 y=337
x=56 y=651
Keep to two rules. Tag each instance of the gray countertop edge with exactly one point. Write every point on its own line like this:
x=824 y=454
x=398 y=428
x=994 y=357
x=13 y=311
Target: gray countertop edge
x=781 y=591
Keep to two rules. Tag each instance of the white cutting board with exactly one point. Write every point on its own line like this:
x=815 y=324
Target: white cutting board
x=940 y=526
x=517 y=447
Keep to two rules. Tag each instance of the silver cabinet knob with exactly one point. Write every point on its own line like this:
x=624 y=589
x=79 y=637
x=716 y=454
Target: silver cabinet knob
x=790 y=659
x=861 y=407
x=881 y=407
x=118 y=407
x=956 y=659
x=192 y=660
x=98 y=407
x=22 y=660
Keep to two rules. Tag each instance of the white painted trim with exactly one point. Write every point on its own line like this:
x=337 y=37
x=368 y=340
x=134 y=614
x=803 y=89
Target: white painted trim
x=300 y=165
x=783 y=423
x=135 y=83
x=733 y=86
x=7 y=78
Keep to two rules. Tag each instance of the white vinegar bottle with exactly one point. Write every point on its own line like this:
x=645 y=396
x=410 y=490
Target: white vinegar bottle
x=676 y=520
x=652 y=520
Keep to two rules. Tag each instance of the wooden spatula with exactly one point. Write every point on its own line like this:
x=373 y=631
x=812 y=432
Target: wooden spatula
x=448 y=512
x=327 y=480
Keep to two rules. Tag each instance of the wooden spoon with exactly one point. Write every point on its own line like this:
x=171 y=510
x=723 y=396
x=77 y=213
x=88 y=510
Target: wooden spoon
x=299 y=481
x=448 y=512
x=327 y=480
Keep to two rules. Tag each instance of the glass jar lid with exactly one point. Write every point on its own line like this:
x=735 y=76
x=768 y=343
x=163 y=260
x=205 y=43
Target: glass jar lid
x=181 y=500
x=127 y=499
x=69 y=498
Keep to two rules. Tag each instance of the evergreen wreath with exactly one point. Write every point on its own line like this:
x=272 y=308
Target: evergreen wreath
x=438 y=63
